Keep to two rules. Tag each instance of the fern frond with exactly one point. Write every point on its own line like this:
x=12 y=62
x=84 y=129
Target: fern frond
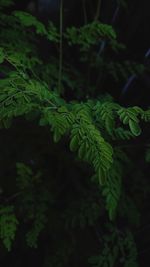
x=90 y=34
x=60 y=121
x=38 y=225
x=105 y=113
x=117 y=247
x=145 y=115
x=8 y=225
x=112 y=189
x=34 y=204
x=24 y=174
x=124 y=69
x=129 y=116
x=89 y=143
x=122 y=134
x=28 y=20
x=82 y=212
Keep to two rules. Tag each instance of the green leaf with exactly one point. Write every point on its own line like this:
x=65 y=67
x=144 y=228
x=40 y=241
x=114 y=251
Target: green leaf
x=28 y=20
x=74 y=143
x=56 y=136
x=134 y=127
x=8 y=225
x=2 y=55
x=101 y=176
x=82 y=151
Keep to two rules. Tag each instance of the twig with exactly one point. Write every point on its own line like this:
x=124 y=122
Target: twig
x=84 y=11
x=12 y=197
x=60 y=47
x=98 y=10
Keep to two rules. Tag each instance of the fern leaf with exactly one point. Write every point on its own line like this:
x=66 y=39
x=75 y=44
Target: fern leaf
x=8 y=225
x=90 y=34
x=28 y=20
x=111 y=190
x=130 y=116
x=145 y=115
x=60 y=122
x=90 y=144
x=134 y=127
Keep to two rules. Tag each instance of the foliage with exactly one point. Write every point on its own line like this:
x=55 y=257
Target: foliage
x=90 y=34
x=89 y=123
x=8 y=225
x=116 y=246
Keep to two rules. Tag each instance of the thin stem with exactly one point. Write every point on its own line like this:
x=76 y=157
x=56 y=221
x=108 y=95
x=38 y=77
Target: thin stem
x=98 y=10
x=60 y=47
x=13 y=196
x=84 y=11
